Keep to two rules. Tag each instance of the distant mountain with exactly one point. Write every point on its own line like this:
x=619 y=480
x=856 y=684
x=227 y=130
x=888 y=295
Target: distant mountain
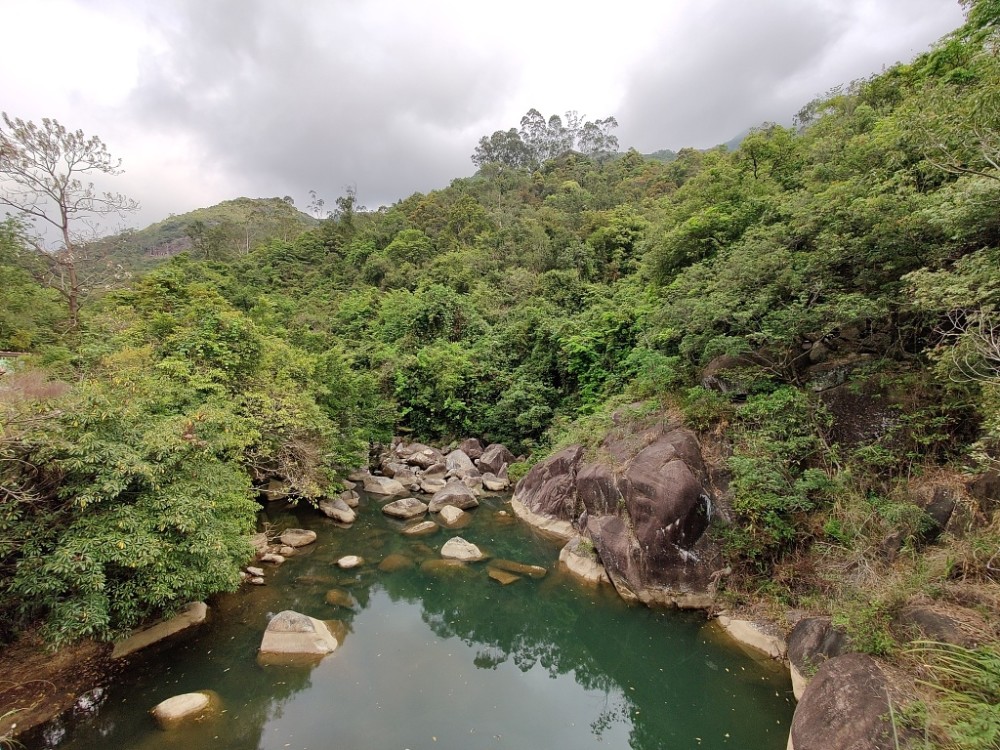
x=664 y=155
x=229 y=228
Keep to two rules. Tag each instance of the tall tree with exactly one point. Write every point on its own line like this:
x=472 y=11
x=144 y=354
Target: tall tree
x=41 y=171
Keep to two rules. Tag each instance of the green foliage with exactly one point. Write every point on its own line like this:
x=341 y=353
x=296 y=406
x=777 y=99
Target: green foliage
x=966 y=687
x=778 y=472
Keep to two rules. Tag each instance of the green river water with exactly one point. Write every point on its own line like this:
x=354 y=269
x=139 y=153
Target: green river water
x=442 y=660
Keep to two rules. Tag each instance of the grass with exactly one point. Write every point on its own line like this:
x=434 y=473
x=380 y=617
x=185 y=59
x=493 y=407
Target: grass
x=965 y=684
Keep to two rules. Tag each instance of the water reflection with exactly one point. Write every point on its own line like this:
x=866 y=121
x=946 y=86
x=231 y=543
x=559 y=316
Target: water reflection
x=443 y=658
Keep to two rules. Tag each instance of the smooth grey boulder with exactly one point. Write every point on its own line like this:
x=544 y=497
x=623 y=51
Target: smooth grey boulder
x=383 y=486
x=494 y=483
x=338 y=510
x=455 y=493
x=408 y=507
x=459 y=464
x=297 y=537
x=458 y=548
x=293 y=633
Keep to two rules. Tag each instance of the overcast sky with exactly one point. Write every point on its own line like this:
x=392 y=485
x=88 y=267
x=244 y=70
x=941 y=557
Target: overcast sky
x=206 y=100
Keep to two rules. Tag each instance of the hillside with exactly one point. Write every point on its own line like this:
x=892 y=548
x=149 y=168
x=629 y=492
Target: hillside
x=224 y=230
x=817 y=308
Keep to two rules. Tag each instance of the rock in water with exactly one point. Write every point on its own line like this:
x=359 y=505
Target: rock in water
x=186 y=707
x=340 y=598
x=338 y=510
x=292 y=633
x=503 y=577
x=451 y=516
x=421 y=529
x=349 y=561
x=383 y=486
x=395 y=562
x=408 y=507
x=298 y=537
x=454 y=493
x=457 y=548
x=523 y=569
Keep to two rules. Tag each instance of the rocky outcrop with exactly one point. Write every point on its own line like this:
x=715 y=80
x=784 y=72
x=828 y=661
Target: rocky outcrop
x=845 y=707
x=754 y=636
x=643 y=501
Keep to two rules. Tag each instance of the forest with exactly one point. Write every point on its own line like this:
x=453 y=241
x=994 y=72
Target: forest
x=145 y=397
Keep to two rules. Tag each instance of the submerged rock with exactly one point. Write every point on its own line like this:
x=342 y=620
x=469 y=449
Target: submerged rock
x=450 y=516
x=395 y=562
x=522 y=569
x=349 y=561
x=184 y=708
x=503 y=577
x=340 y=598
x=421 y=529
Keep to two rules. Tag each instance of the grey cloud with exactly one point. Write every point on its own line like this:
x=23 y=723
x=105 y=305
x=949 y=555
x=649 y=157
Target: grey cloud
x=729 y=66
x=335 y=96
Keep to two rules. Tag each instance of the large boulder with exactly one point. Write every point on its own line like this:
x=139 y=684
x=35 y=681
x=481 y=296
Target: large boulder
x=338 y=510
x=460 y=465
x=418 y=454
x=494 y=458
x=454 y=493
x=458 y=548
x=471 y=448
x=383 y=486
x=408 y=507
x=642 y=500
x=813 y=641
x=294 y=634
x=298 y=537
x=845 y=707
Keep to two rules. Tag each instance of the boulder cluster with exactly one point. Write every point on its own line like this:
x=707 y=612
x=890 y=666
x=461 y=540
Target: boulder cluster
x=455 y=478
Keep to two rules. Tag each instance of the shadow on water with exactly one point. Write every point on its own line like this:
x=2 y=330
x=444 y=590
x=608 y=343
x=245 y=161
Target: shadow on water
x=441 y=657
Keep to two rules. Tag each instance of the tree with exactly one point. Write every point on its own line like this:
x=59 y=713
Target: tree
x=505 y=148
x=40 y=177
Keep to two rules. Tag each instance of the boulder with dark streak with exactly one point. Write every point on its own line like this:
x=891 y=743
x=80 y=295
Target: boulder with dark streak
x=642 y=499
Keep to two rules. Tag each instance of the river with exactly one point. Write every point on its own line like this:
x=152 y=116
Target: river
x=436 y=659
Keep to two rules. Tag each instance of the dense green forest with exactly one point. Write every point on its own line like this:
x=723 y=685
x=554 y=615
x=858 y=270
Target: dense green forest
x=523 y=305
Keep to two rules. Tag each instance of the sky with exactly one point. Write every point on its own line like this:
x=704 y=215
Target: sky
x=207 y=100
